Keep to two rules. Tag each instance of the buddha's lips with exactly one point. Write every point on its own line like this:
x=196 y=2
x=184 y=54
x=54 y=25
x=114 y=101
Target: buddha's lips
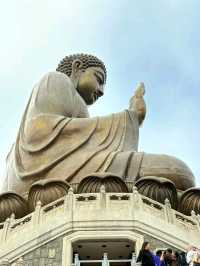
x=95 y=97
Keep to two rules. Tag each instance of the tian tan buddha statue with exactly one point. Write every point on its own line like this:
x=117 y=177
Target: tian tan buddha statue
x=59 y=146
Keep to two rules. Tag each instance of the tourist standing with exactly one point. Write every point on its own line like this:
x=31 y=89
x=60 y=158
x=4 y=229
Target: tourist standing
x=183 y=256
x=168 y=257
x=145 y=255
x=176 y=259
x=196 y=258
x=159 y=258
x=192 y=251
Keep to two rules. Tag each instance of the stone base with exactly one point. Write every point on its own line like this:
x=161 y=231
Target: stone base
x=51 y=234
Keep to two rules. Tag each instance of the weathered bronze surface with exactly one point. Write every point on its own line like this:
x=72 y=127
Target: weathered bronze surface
x=159 y=189
x=46 y=191
x=93 y=183
x=190 y=201
x=58 y=140
x=11 y=203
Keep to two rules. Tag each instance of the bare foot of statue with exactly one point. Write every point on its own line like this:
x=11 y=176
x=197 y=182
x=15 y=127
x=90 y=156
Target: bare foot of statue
x=59 y=145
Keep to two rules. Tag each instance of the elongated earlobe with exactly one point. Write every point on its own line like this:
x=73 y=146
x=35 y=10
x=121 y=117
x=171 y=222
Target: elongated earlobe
x=76 y=66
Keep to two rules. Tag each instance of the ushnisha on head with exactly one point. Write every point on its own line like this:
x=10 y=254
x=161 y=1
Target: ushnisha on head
x=87 y=72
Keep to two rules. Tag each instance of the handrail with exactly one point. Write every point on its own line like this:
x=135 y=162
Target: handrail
x=145 y=200
x=105 y=261
x=71 y=208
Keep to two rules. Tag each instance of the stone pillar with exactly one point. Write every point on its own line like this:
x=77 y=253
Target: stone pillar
x=12 y=219
x=133 y=261
x=196 y=219
x=103 y=199
x=136 y=203
x=169 y=212
x=105 y=261
x=137 y=199
x=37 y=214
x=5 y=230
x=76 y=260
x=69 y=204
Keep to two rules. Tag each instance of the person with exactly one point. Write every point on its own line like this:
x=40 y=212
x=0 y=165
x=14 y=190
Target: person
x=196 y=258
x=183 y=260
x=190 y=255
x=145 y=255
x=159 y=258
x=176 y=260
x=168 y=257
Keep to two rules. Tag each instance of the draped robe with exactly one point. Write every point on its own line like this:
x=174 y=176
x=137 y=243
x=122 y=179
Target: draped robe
x=57 y=139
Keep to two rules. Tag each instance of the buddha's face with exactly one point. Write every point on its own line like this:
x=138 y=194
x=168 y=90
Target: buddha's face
x=91 y=84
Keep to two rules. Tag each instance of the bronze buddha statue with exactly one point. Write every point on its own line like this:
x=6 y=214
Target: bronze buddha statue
x=57 y=140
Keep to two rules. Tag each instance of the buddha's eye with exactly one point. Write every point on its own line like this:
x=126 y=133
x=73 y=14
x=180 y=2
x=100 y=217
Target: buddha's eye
x=99 y=79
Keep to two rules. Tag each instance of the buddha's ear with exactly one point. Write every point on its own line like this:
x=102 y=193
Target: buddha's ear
x=76 y=66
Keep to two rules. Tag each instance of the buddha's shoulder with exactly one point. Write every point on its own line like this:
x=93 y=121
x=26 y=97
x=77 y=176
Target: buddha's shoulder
x=56 y=77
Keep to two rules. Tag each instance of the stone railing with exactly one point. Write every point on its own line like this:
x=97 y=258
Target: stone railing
x=105 y=261
x=112 y=210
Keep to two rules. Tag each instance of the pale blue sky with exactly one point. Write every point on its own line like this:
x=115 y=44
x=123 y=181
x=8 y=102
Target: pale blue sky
x=155 y=41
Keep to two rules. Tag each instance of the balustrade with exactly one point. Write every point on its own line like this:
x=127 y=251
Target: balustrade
x=102 y=206
x=105 y=261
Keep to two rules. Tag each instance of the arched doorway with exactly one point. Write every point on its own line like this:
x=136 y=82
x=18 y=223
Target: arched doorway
x=95 y=250
x=93 y=245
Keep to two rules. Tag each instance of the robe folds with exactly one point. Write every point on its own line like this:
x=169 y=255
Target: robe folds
x=58 y=139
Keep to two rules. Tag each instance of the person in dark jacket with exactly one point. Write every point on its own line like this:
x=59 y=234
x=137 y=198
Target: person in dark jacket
x=176 y=259
x=145 y=256
x=168 y=257
x=183 y=256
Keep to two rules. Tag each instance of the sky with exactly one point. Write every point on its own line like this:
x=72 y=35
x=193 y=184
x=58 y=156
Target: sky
x=154 y=41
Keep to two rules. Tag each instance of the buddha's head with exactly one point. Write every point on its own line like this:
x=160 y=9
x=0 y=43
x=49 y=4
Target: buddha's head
x=87 y=72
